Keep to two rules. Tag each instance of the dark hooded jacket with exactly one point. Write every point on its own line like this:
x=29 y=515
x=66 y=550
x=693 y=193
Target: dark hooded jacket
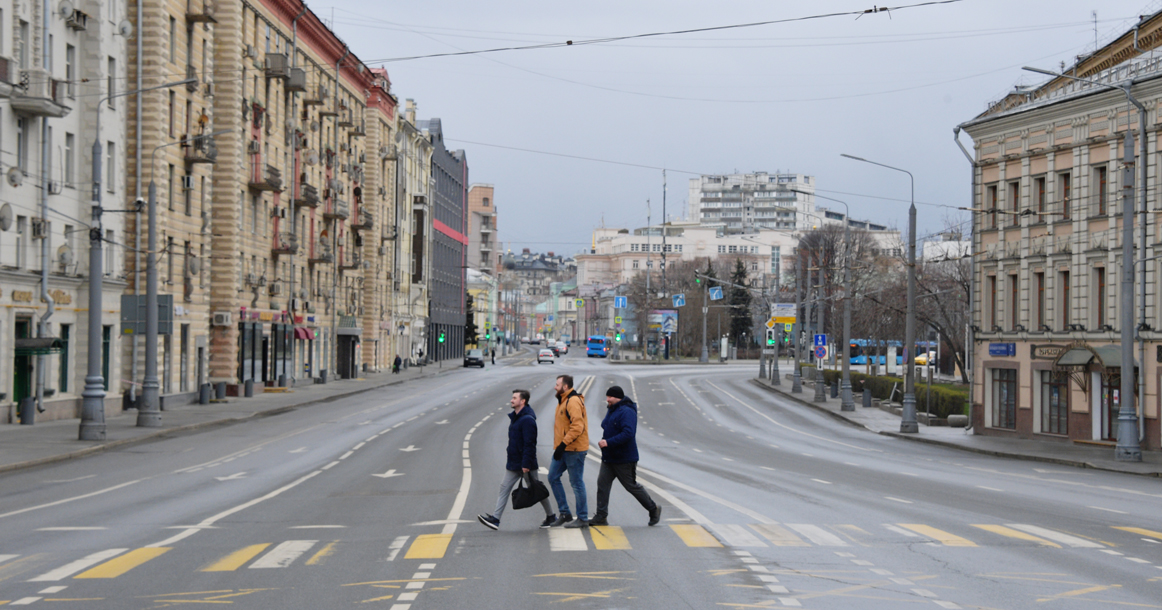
x=619 y=431
x=522 y=440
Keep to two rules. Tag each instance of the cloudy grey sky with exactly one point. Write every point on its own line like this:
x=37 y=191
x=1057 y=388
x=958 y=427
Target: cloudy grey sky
x=781 y=97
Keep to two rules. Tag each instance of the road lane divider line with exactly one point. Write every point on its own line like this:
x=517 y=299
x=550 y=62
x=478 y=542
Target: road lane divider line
x=429 y=546
x=283 y=555
x=761 y=518
x=609 y=538
x=76 y=566
x=690 y=512
x=939 y=535
x=119 y=565
x=237 y=559
x=694 y=535
x=4 y=558
x=72 y=499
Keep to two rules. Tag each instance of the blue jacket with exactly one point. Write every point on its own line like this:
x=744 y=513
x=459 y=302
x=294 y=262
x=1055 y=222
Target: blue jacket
x=618 y=430
x=522 y=440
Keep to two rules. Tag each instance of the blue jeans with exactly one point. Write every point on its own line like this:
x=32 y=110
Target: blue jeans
x=574 y=463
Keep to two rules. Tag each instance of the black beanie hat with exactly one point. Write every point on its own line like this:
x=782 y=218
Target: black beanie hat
x=615 y=391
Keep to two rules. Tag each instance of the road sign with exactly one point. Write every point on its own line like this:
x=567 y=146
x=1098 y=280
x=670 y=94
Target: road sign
x=550 y=318
x=620 y=302
x=617 y=320
x=820 y=351
x=771 y=323
x=679 y=300
x=670 y=325
x=789 y=327
x=578 y=303
x=820 y=340
x=716 y=293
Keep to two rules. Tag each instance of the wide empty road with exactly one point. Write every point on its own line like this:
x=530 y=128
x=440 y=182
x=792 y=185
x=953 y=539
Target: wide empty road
x=370 y=501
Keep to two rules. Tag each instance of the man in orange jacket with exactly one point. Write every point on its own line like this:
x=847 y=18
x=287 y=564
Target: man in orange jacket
x=571 y=439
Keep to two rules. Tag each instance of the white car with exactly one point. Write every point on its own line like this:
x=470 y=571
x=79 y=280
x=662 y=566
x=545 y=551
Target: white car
x=564 y=349
x=545 y=355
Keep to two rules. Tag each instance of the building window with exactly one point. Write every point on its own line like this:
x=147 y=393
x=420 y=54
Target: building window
x=71 y=70
x=110 y=255
x=722 y=249
x=633 y=248
x=992 y=310
x=991 y=205
x=1039 y=193
x=1004 y=395
x=635 y=264
x=1098 y=294
x=1014 y=301
x=110 y=166
x=63 y=384
x=169 y=186
x=1099 y=183
x=111 y=79
x=1014 y=202
x=70 y=158
x=21 y=144
x=21 y=242
x=1039 y=307
x=486 y=202
x=775 y=257
x=1054 y=402
x=173 y=38
x=732 y=249
x=172 y=104
x=1063 y=279
x=1066 y=187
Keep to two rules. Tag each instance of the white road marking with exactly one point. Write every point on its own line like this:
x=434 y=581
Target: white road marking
x=1109 y=510
x=989 y=488
x=283 y=555
x=24 y=601
x=561 y=539
x=790 y=601
x=233 y=477
x=440 y=522
x=389 y=474
x=778 y=589
x=49 y=590
x=317 y=527
x=736 y=535
x=901 y=531
x=1055 y=536
x=427 y=566
x=441 y=422
x=902 y=581
x=409 y=448
x=862 y=562
x=897 y=500
x=880 y=571
x=72 y=499
x=76 y=566
x=1136 y=560
x=78 y=528
x=816 y=534
x=299 y=450
x=88 y=476
x=924 y=593
x=944 y=604
x=359 y=446
x=331 y=465
x=761 y=518
x=822 y=481
x=396 y=546
x=346 y=455
x=4 y=558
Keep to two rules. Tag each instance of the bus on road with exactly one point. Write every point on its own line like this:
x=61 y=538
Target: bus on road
x=597 y=347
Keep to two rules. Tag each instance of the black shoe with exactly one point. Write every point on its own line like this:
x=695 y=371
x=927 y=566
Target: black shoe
x=598 y=521
x=562 y=520
x=548 y=522
x=656 y=514
x=576 y=524
x=489 y=521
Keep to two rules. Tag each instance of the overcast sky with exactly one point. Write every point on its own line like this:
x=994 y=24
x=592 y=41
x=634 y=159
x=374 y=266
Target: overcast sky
x=790 y=97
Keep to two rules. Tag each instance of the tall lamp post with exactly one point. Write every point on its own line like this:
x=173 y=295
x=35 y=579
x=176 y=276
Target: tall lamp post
x=149 y=416
x=1128 y=448
x=908 y=420
x=92 y=426
x=847 y=404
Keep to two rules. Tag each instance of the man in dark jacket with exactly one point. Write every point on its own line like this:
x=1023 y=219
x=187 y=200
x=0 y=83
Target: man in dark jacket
x=619 y=457
x=522 y=459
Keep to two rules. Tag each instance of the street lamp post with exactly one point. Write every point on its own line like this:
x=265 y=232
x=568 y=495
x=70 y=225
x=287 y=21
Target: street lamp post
x=1128 y=448
x=92 y=426
x=796 y=375
x=908 y=422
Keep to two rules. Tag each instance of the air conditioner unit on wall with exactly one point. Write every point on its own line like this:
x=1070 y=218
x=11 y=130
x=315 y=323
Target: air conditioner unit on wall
x=221 y=318
x=187 y=183
x=39 y=228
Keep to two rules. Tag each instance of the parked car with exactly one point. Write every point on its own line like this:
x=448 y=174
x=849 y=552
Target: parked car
x=474 y=357
x=545 y=355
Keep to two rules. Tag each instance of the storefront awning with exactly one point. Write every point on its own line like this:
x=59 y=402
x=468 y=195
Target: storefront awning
x=304 y=333
x=1108 y=356
x=39 y=346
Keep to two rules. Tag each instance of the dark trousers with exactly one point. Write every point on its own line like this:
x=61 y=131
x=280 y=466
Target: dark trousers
x=626 y=474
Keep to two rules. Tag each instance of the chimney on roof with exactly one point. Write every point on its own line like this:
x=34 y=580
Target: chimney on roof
x=526 y=251
x=550 y=255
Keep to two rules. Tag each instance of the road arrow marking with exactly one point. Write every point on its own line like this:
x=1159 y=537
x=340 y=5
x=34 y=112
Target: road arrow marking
x=233 y=477
x=410 y=448
x=388 y=474
x=299 y=450
x=441 y=422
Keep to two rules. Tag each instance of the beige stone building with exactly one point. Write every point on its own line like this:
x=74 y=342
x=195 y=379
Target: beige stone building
x=275 y=235
x=1047 y=183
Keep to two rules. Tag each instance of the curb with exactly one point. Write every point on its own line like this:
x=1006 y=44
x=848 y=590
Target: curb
x=933 y=441
x=229 y=421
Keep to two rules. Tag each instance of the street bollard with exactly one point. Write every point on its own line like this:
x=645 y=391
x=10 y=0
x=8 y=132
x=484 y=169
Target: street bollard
x=248 y=392
x=323 y=376
x=220 y=390
x=204 y=394
x=282 y=381
x=28 y=411
x=867 y=398
x=835 y=390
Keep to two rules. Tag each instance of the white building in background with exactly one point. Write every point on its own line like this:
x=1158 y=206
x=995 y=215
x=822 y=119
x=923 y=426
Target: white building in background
x=54 y=70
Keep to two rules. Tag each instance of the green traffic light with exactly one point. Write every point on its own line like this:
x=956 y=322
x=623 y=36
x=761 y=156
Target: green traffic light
x=441 y=336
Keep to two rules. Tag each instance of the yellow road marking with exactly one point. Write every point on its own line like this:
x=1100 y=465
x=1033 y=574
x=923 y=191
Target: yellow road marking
x=572 y=597
x=377 y=599
x=119 y=565
x=725 y=572
x=1077 y=592
x=235 y=560
x=429 y=546
x=695 y=535
x=1140 y=531
x=777 y=535
x=938 y=535
x=323 y=554
x=72 y=599
x=594 y=575
x=1018 y=534
x=383 y=582
x=609 y=538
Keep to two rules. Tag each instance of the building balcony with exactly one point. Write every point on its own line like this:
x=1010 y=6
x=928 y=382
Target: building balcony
x=199 y=150
x=353 y=261
x=41 y=96
x=277 y=66
x=297 y=81
x=268 y=179
x=285 y=244
x=308 y=196
x=363 y=221
x=486 y=230
x=203 y=12
x=336 y=208
x=321 y=253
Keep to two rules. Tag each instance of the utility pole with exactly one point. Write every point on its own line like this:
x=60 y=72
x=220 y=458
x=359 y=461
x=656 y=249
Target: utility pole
x=705 y=356
x=820 y=393
x=778 y=344
x=797 y=327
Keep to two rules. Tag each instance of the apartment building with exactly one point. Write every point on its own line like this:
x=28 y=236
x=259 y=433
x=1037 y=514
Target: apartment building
x=746 y=202
x=57 y=71
x=483 y=249
x=413 y=229
x=1048 y=241
x=448 y=208
x=273 y=183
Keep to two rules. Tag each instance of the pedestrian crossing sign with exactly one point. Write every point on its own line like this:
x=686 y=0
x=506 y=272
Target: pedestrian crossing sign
x=579 y=303
x=617 y=320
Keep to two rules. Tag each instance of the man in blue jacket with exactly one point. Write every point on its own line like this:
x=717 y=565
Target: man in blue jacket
x=522 y=459
x=619 y=457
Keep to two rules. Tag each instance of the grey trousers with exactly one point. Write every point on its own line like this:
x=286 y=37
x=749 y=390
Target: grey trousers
x=626 y=474
x=510 y=480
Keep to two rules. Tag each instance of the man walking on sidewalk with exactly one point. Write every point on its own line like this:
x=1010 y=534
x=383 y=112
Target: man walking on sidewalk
x=619 y=457
x=522 y=459
x=571 y=438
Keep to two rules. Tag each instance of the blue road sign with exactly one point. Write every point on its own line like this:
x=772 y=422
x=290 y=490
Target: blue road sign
x=820 y=350
x=679 y=300
x=716 y=293
x=620 y=302
x=820 y=340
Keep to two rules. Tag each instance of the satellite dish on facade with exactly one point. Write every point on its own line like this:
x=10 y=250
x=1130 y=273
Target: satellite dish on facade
x=66 y=8
x=314 y=125
x=125 y=28
x=15 y=176
x=64 y=255
x=5 y=217
x=312 y=158
x=195 y=265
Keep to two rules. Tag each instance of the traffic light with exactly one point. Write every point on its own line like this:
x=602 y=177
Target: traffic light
x=770 y=337
x=487 y=335
x=697 y=280
x=617 y=337
x=441 y=336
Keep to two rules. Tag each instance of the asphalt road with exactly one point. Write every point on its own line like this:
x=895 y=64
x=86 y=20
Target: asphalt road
x=371 y=500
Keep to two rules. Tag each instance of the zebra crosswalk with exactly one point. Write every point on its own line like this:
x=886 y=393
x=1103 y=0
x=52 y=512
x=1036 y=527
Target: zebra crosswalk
x=272 y=555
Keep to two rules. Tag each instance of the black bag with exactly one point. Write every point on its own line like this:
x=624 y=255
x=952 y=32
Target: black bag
x=525 y=496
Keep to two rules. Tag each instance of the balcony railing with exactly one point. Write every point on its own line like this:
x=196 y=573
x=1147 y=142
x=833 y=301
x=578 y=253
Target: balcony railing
x=336 y=208
x=285 y=244
x=363 y=220
x=268 y=179
x=199 y=150
x=40 y=95
x=308 y=196
x=353 y=261
x=321 y=253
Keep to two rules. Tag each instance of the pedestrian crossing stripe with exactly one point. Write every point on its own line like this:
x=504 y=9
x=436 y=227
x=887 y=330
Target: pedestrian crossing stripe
x=429 y=546
x=609 y=538
x=938 y=535
x=283 y=555
x=1012 y=533
x=695 y=535
x=237 y=559
x=778 y=535
x=119 y=565
x=567 y=540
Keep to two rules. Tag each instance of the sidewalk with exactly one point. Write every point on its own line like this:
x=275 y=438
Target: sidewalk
x=1054 y=452
x=54 y=441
